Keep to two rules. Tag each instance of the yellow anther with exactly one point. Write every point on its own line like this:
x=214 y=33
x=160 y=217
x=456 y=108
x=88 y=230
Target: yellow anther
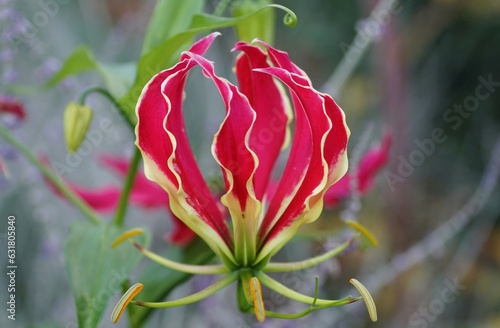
x=258 y=303
x=364 y=231
x=126 y=235
x=124 y=301
x=367 y=297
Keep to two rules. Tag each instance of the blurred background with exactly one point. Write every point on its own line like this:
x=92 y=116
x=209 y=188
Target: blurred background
x=428 y=71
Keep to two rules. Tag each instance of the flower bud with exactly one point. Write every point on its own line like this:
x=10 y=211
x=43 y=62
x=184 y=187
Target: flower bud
x=77 y=118
x=261 y=25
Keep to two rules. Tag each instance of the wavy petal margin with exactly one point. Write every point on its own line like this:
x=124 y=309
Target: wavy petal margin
x=267 y=97
x=231 y=149
x=168 y=158
x=317 y=160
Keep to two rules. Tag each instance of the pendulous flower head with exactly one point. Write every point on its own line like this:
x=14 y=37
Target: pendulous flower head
x=255 y=130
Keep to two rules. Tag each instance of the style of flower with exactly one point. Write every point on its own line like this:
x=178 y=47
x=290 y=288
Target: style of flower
x=246 y=146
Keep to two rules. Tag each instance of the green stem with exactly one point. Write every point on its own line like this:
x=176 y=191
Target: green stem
x=127 y=188
x=63 y=188
x=301 y=265
x=215 y=287
x=111 y=98
x=134 y=162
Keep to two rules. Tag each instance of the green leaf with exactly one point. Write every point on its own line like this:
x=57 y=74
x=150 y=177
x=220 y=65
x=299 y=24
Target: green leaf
x=166 y=54
x=117 y=77
x=96 y=271
x=79 y=61
x=169 y=18
x=159 y=281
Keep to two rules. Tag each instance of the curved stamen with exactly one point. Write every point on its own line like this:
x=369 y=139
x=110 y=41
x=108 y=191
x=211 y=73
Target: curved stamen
x=127 y=235
x=300 y=265
x=296 y=296
x=312 y=308
x=227 y=280
x=182 y=267
x=363 y=230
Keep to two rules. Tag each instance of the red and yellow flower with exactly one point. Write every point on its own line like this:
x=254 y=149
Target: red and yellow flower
x=255 y=130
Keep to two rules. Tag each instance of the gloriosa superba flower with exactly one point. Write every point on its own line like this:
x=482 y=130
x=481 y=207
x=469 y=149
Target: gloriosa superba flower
x=255 y=130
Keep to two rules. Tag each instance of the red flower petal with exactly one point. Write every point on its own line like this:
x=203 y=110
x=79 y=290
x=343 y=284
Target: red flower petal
x=104 y=199
x=117 y=164
x=317 y=157
x=144 y=192
x=369 y=166
x=168 y=158
x=181 y=234
x=231 y=149
x=270 y=132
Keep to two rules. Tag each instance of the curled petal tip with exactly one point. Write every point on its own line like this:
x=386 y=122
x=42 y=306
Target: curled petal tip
x=257 y=40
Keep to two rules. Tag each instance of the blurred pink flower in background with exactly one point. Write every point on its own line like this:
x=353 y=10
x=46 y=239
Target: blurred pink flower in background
x=149 y=195
x=368 y=167
x=12 y=106
x=144 y=193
